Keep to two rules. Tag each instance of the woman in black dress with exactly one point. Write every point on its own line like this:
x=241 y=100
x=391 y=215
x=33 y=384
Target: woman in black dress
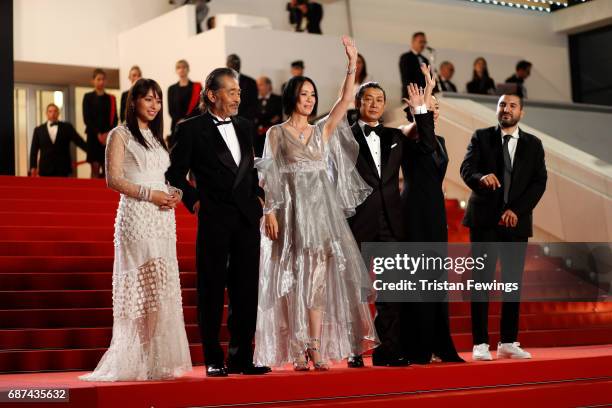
x=100 y=116
x=184 y=96
x=481 y=82
x=426 y=330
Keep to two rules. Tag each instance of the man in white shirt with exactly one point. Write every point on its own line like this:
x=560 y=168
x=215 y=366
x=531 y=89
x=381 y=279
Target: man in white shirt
x=52 y=140
x=217 y=147
x=379 y=218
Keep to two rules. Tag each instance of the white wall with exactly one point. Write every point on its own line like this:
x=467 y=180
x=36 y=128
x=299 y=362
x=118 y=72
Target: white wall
x=85 y=32
x=78 y=32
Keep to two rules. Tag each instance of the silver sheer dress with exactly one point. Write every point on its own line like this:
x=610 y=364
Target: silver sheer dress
x=149 y=340
x=315 y=263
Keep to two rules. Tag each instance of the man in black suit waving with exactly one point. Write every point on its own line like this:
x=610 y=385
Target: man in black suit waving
x=217 y=147
x=52 y=139
x=504 y=166
x=378 y=218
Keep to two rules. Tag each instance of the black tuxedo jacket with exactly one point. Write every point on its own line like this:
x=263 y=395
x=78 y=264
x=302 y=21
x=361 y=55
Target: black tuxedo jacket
x=447 y=86
x=224 y=189
x=248 y=97
x=424 y=167
x=55 y=157
x=410 y=71
x=484 y=156
x=263 y=119
x=124 y=95
x=385 y=195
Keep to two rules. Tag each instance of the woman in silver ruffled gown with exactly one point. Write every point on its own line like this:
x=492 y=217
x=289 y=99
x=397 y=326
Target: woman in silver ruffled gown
x=314 y=285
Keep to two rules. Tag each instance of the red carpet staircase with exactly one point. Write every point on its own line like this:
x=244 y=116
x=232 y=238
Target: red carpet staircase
x=56 y=255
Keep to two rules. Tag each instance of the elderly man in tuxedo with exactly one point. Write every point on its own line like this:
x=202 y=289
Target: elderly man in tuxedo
x=217 y=147
x=52 y=140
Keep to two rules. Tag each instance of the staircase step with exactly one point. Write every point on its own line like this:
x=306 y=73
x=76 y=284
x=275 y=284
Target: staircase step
x=62 y=233
x=65 y=264
x=70 y=281
x=72 y=219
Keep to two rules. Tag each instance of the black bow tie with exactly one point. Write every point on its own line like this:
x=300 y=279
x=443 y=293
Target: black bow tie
x=222 y=122
x=52 y=123
x=367 y=129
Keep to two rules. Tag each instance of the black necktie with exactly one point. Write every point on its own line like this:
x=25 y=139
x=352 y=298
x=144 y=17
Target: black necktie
x=53 y=124
x=367 y=129
x=507 y=168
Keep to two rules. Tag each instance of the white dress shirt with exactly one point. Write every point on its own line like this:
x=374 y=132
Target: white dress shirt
x=511 y=143
x=373 y=141
x=228 y=133
x=52 y=131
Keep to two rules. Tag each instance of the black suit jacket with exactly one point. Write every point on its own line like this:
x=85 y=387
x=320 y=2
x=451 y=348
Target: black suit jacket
x=447 y=86
x=248 y=97
x=385 y=196
x=410 y=71
x=424 y=167
x=55 y=157
x=314 y=16
x=224 y=189
x=484 y=156
x=123 y=106
x=272 y=109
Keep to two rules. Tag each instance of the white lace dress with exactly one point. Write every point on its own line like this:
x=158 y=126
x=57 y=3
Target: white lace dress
x=149 y=340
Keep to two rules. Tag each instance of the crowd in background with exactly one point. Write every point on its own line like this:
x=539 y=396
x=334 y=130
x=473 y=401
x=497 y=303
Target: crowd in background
x=50 y=155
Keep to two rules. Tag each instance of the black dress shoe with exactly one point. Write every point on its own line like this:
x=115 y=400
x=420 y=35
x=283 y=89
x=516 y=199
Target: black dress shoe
x=216 y=370
x=249 y=370
x=393 y=362
x=355 y=362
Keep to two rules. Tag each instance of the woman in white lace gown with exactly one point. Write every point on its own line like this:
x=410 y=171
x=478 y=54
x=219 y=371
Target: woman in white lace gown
x=313 y=285
x=149 y=340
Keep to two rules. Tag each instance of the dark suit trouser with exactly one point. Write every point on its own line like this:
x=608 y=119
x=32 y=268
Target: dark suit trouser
x=512 y=264
x=388 y=314
x=227 y=256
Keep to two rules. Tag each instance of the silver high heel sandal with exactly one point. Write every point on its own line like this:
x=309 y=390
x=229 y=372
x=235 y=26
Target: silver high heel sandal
x=313 y=346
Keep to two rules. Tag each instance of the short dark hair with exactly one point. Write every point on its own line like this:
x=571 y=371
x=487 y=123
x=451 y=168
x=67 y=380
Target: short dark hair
x=292 y=91
x=213 y=83
x=297 y=64
x=445 y=63
x=139 y=90
x=210 y=23
x=521 y=101
x=523 y=64
x=365 y=86
x=98 y=71
x=267 y=80
x=233 y=62
x=418 y=34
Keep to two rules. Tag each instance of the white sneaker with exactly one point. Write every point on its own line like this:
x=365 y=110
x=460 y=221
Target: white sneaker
x=512 y=350
x=481 y=352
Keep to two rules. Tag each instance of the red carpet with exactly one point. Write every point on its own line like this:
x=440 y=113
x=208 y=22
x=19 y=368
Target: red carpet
x=56 y=256
x=566 y=377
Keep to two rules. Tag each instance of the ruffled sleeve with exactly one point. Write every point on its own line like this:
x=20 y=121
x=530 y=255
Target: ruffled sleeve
x=341 y=152
x=269 y=175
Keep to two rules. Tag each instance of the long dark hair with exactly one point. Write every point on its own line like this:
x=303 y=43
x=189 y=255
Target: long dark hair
x=292 y=92
x=364 y=72
x=485 y=71
x=139 y=90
